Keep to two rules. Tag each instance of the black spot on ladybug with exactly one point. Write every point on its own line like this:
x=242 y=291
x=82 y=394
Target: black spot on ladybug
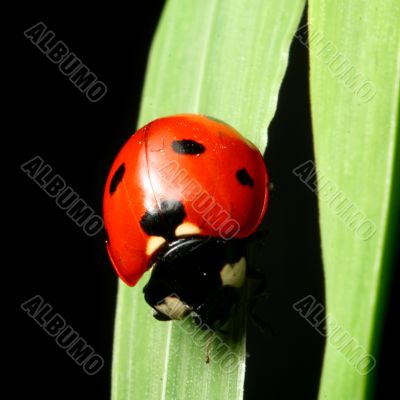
x=117 y=178
x=244 y=178
x=187 y=146
x=163 y=221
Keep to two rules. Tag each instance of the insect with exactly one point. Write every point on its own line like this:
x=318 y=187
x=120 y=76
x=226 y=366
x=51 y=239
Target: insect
x=182 y=197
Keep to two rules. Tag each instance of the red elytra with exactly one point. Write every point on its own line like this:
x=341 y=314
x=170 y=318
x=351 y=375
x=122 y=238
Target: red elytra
x=219 y=177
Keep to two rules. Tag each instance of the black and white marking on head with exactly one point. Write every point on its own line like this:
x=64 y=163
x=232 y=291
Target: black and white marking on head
x=244 y=178
x=234 y=274
x=163 y=221
x=117 y=178
x=188 y=147
x=172 y=308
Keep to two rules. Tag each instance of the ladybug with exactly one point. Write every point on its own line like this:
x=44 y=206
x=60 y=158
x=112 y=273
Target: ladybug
x=181 y=199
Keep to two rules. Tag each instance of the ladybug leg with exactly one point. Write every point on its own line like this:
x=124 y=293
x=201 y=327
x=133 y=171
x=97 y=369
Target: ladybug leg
x=259 y=277
x=223 y=331
x=260 y=323
x=258 y=238
x=258 y=294
x=215 y=310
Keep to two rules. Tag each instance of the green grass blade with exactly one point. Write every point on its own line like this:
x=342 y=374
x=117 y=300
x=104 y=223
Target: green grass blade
x=355 y=72
x=225 y=59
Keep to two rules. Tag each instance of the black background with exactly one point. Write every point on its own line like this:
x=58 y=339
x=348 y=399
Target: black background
x=79 y=139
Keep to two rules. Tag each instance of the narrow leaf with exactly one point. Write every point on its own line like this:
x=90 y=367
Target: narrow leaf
x=225 y=59
x=355 y=60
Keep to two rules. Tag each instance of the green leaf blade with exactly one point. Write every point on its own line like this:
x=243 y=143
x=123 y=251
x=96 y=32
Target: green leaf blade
x=224 y=59
x=230 y=65
x=355 y=124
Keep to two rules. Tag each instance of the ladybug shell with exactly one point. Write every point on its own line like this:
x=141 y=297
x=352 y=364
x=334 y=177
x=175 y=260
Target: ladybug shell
x=216 y=177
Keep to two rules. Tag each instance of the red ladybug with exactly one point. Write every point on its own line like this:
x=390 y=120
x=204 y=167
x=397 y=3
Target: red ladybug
x=182 y=196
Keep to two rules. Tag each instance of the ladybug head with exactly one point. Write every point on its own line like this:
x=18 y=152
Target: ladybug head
x=197 y=276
